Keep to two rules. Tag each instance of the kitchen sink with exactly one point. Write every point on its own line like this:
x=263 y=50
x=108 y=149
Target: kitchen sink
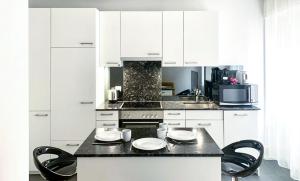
x=200 y=105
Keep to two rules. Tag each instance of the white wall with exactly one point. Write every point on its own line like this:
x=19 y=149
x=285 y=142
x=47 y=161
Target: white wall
x=14 y=91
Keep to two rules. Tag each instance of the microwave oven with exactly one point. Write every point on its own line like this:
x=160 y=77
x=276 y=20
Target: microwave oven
x=245 y=94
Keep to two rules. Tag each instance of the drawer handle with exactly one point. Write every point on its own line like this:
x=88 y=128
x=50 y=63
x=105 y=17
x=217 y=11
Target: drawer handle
x=204 y=124
x=88 y=102
x=113 y=63
x=174 y=114
x=174 y=124
x=105 y=124
x=153 y=53
x=191 y=62
x=106 y=114
x=41 y=115
x=169 y=62
x=240 y=114
x=86 y=43
x=70 y=144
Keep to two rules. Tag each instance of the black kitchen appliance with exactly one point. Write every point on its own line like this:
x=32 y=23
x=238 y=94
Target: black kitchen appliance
x=246 y=94
x=141 y=115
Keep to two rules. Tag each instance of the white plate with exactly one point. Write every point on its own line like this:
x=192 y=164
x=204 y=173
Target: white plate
x=108 y=136
x=182 y=135
x=149 y=144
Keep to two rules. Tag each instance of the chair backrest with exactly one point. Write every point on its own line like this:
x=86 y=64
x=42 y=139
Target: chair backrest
x=254 y=162
x=46 y=168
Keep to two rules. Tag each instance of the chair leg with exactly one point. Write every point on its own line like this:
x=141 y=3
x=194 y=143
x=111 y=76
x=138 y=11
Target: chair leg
x=234 y=179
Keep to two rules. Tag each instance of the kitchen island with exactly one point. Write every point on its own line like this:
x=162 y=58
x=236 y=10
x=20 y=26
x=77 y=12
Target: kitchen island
x=176 y=162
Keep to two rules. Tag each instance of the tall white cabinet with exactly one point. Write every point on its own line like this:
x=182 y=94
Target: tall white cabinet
x=200 y=38
x=72 y=93
x=39 y=80
x=62 y=77
x=141 y=34
x=172 y=39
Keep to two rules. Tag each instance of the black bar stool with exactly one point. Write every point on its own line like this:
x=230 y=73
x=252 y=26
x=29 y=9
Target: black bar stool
x=236 y=164
x=61 y=168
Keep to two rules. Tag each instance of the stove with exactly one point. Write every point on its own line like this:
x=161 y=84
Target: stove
x=140 y=114
x=141 y=105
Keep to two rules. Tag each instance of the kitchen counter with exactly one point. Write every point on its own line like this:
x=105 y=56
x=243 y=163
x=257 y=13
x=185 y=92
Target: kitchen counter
x=205 y=147
x=123 y=162
x=176 y=105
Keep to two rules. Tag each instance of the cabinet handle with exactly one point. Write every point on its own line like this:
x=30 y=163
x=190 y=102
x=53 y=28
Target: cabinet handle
x=41 y=115
x=105 y=124
x=86 y=43
x=191 y=62
x=240 y=114
x=169 y=62
x=153 y=53
x=112 y=63
x=173 y=114
x=74 y=144
x=88 y=102
x=106 y=114
x=204 y=124
x=174 y=124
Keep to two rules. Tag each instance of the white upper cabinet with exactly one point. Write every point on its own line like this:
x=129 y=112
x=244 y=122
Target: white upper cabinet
x=73 y=27
x=172 y=38
x=141 y=34
x=200 y=38
x=72 y=93
x=110 y=38
x=39 y=59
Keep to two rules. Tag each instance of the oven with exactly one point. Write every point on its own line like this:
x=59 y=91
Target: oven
x=140 y=118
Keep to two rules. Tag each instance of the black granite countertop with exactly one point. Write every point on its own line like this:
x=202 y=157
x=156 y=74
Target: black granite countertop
x=205 y=146
x=176 y=105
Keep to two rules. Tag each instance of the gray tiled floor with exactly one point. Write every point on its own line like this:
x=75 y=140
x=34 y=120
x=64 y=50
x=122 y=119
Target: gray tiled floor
x=270 y=171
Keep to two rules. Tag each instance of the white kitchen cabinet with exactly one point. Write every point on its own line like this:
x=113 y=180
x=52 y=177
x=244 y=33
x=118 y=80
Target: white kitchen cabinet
x=68 y=146
x=213 y=127
x=72 y=93
x=39 y=134
x=240 y=125
x=172 y=38
x=107 y=115
x=107 y=124
x=211 y=120
x=110 y=38
x=200 y=38
x=39 y=59
x=73 y=27
x=175 y=123
x=141 y=34
x=174 y=114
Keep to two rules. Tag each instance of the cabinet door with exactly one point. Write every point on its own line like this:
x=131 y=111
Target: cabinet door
x=107 y=124
x=200 y=38
x=39 y=59
x=68 y=146
x=213 y=127
x=175 y=123
x=110 y=38
x=73 y=27
x=39 y=134
x=72 y=93
x=240 y=125
x=141 y=34
x=172 y=38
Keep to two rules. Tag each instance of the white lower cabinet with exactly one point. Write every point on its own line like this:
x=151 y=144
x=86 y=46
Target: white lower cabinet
x=107 y=124
x=175 y=123
x=240 y=125
x=68 y=146
x=39 y=134
x=213 y=127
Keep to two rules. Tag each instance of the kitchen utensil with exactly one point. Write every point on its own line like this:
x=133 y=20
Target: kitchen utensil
x=107 y=143
x=112 y=135
x=182 y=135
x=163 y=125
x=149 y=144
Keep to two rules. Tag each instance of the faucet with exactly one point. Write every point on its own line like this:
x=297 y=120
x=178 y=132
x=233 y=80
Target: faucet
x=197 y=93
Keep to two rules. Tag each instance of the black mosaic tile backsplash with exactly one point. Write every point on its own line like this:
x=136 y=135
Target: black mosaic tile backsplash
x=142 y=80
